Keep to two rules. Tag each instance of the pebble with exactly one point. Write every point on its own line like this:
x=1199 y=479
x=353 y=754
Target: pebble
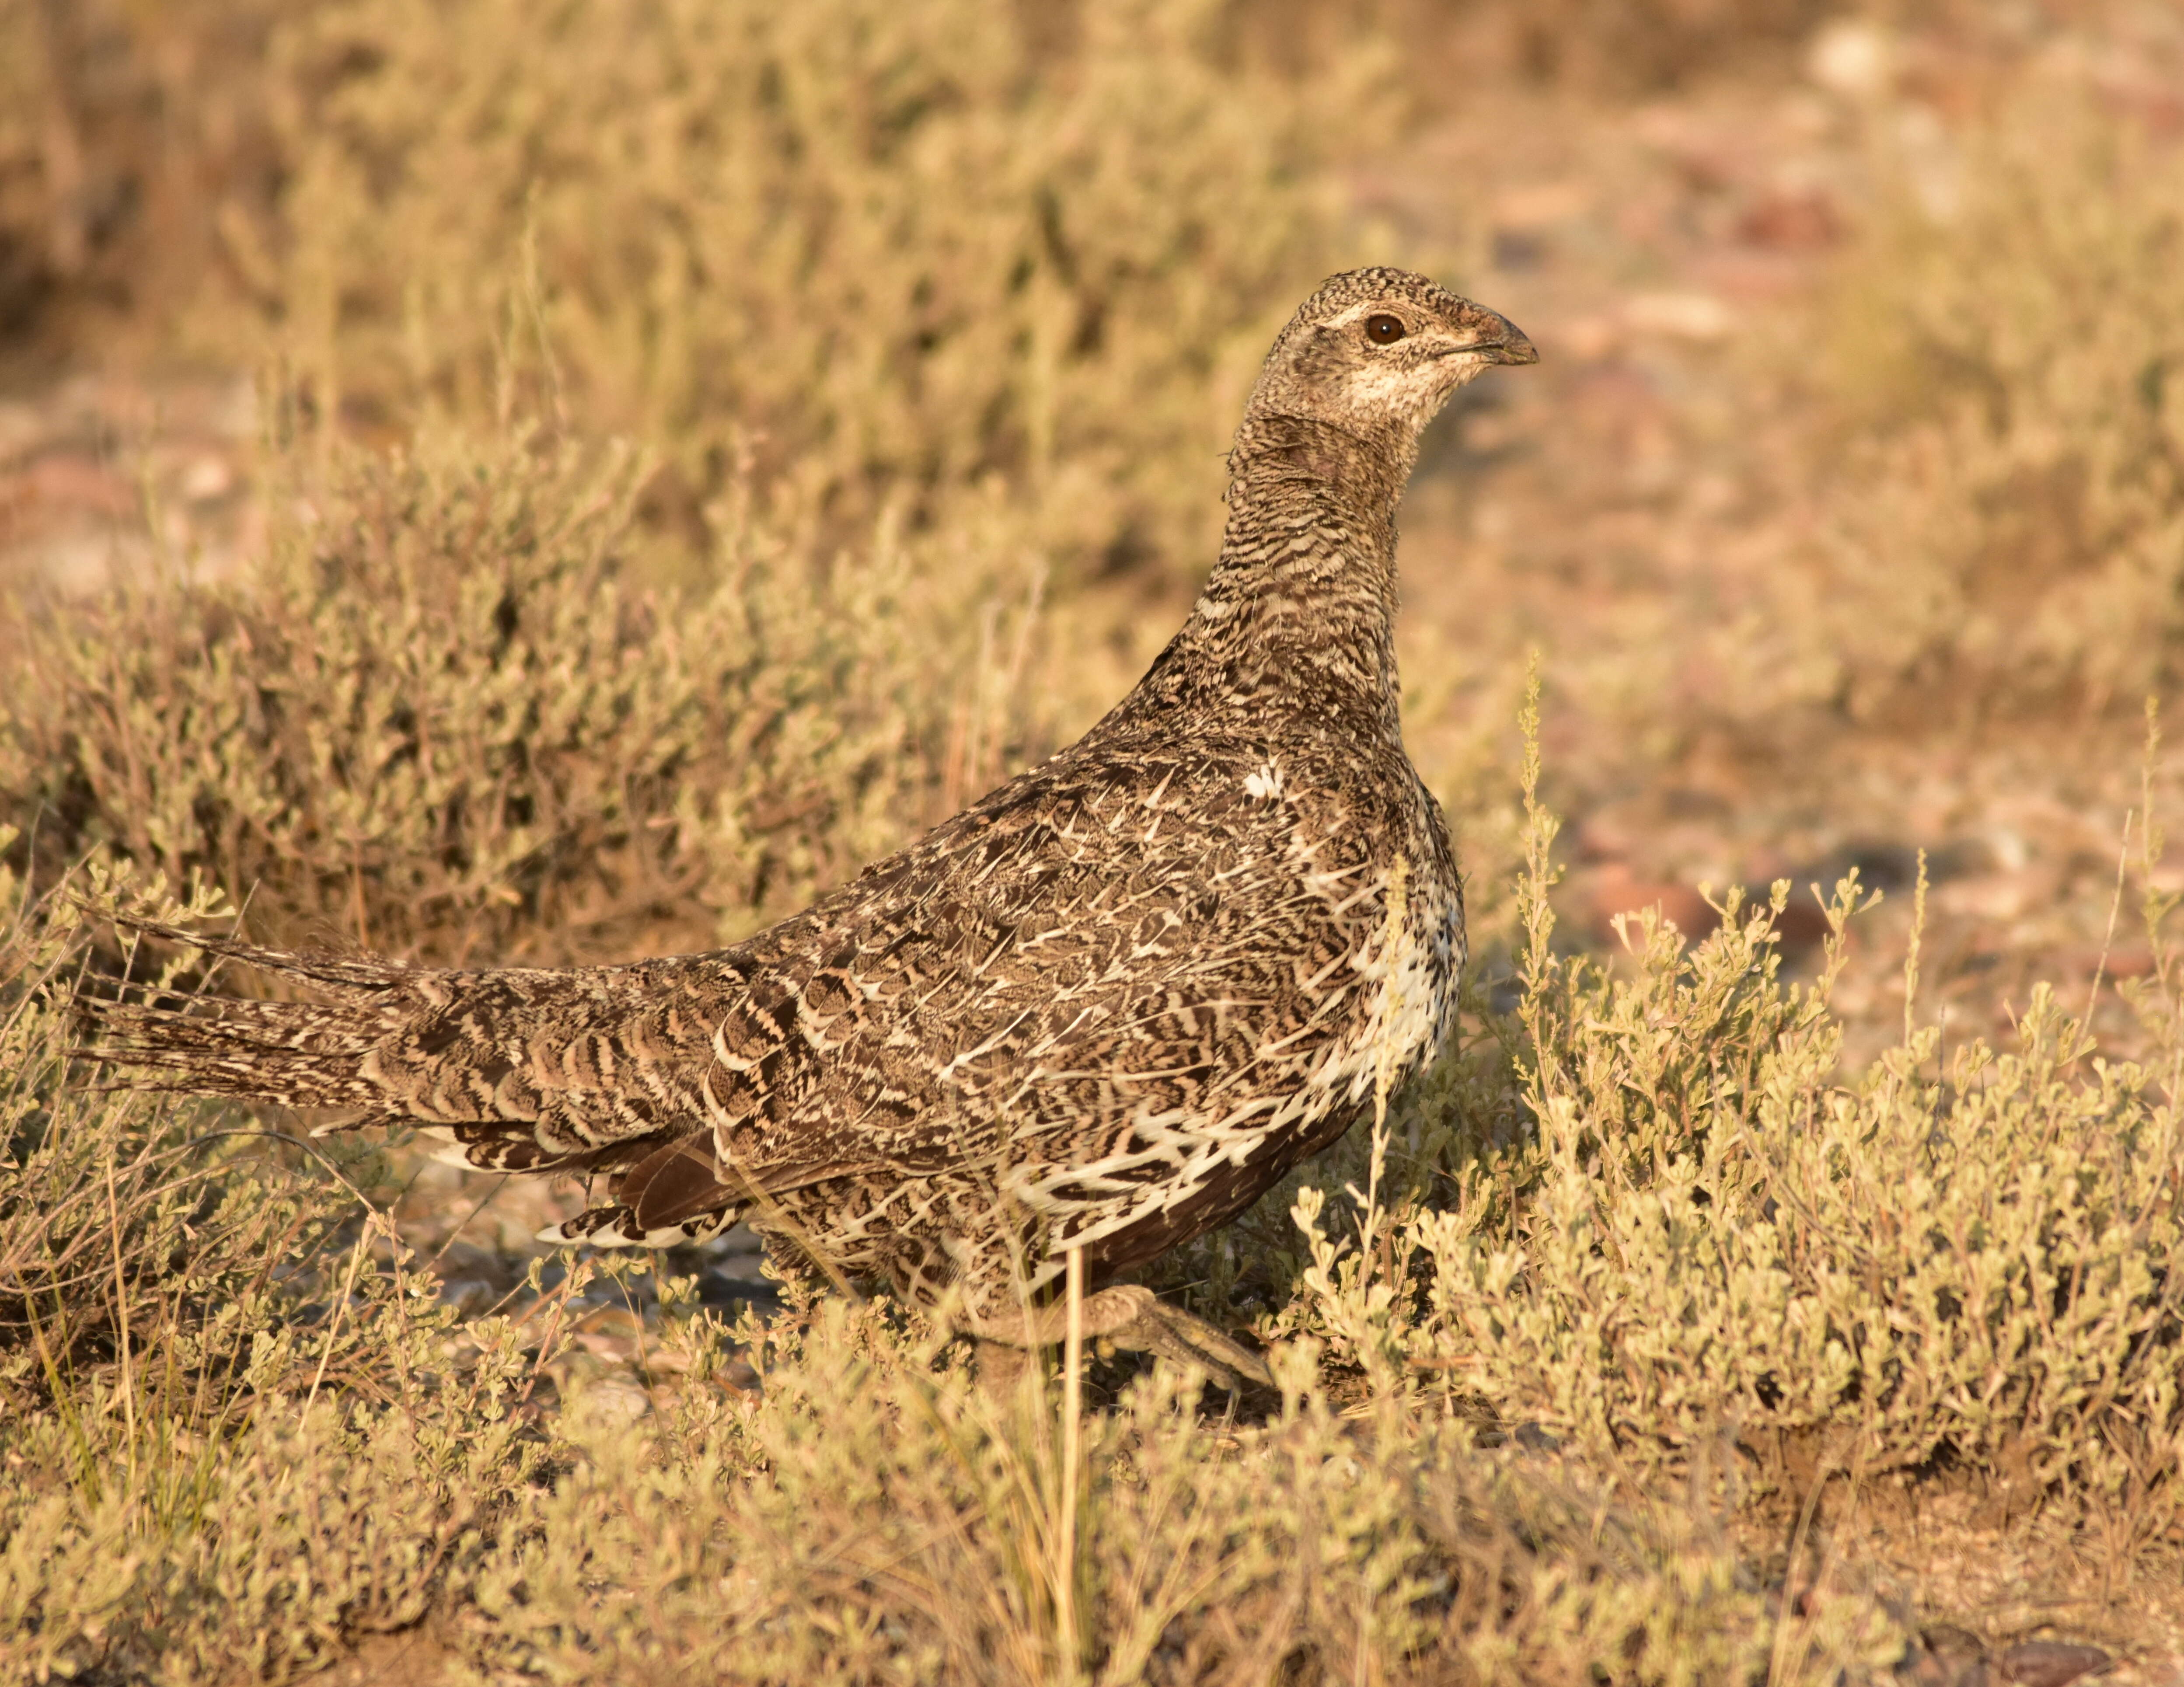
x=2050 y=1663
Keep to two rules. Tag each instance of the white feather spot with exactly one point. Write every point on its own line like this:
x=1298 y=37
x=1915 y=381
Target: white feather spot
x=441 y=1144
x=1267 y=782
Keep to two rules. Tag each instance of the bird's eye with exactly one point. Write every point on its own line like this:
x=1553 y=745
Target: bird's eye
x=1383 y=331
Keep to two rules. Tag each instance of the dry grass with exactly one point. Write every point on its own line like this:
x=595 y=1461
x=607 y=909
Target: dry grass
x=700 y=443
x=1595 y=1307
x=213 y=1481
x=914 y=260
x=2003 y=353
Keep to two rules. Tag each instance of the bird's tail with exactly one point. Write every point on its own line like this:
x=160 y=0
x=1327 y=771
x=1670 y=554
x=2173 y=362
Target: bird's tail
x=390 y=1044
x=301 y=1053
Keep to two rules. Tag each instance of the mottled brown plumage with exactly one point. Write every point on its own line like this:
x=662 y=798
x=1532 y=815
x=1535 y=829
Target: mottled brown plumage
x=1104 y=1006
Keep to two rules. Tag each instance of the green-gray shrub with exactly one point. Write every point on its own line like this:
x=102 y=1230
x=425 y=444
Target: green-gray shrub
x=1714 y=1230
x=438 y=717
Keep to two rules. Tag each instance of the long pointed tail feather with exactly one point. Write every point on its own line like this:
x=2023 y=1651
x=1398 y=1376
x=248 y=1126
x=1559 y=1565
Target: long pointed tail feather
x=333 y=971
x=474 y=1060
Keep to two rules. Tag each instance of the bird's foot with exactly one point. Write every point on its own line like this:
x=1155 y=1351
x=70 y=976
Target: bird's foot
x=1170 y=1333
x=1127 y=1315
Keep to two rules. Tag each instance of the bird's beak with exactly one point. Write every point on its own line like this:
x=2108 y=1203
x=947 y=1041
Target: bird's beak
x=1498 y=339
x=1514 y=349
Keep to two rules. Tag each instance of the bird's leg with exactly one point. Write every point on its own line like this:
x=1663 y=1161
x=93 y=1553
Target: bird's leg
x=1170 y=1333
x=1007 y=1341
x=1129 y=1316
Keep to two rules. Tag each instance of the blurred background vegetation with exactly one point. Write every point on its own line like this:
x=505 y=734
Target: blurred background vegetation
x=1857 y=425
x=498 y=480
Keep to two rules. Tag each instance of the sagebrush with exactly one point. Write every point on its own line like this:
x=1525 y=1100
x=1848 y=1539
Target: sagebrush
x=702 y=444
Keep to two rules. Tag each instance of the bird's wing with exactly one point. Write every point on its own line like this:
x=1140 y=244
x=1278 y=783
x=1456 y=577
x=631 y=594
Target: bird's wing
x=1020 y=966
x=1129 y=945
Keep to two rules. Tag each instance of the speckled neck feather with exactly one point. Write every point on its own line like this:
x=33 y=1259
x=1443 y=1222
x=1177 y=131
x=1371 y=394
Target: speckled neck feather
x=1298 y=615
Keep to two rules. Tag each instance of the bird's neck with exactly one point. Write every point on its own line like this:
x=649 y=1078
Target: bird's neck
x=1299 y=612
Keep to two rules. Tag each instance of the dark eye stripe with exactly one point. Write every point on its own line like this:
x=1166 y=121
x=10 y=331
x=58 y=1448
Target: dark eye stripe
x=1384 y=330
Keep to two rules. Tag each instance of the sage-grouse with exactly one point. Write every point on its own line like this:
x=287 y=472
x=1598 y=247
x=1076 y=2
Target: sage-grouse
x=1105 y=1006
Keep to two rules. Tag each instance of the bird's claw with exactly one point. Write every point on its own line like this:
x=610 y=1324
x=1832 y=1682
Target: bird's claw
x=1166 y=1333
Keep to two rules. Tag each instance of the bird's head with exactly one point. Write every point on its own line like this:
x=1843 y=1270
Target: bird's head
x=1379 y=351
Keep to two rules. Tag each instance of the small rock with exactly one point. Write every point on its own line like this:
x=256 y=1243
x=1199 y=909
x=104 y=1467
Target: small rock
x=613 y=1401
x=1791 y=221
x=1944 y=1656
x=77 y=480
x=620 y=1349
x=1618 y=892
x=2050 y=1663
x=1920 y=1668
x=469 y=1295
x=1694 y=316
x=208 y=477
x=1854 y=58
